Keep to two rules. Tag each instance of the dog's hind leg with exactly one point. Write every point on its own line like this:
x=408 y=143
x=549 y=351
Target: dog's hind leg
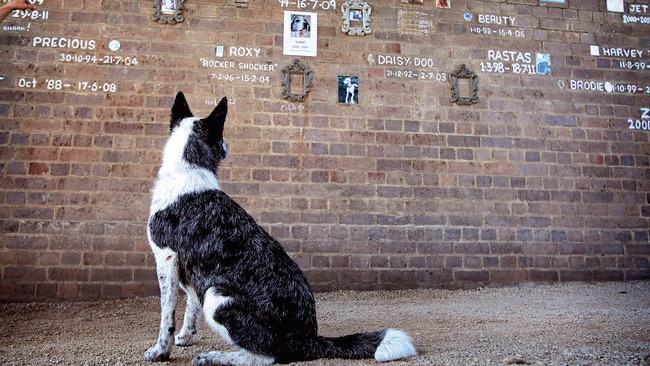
x=241 y=357
x=237 y=327
x=167 y=270
x=190 y=319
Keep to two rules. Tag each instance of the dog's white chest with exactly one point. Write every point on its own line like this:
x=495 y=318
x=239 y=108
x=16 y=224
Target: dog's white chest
x=169 y=187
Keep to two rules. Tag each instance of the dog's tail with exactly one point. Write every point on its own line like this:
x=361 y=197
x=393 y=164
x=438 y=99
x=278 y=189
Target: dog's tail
x=385 y=345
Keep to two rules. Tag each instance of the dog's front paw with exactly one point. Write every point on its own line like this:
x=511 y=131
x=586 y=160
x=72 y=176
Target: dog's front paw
x=156 y=354
x=184 y=340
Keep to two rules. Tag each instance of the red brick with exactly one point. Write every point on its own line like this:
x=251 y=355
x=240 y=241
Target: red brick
x=477 y=277
x=404 y=179
x=507 y=276
x=24 y=274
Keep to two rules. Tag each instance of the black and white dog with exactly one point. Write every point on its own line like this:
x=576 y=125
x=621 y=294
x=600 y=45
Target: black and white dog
x=300 y=26
x=248 y=289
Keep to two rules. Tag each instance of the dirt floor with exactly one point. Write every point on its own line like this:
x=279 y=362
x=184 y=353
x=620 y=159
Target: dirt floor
x=566 y=324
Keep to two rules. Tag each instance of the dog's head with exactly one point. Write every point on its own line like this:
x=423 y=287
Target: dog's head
x=300 y=23
x=196 y=141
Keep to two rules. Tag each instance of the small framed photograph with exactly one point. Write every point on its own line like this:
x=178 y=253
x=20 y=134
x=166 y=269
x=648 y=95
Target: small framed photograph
x=356 y=18
x=616 y=6
x=168 y=11
x=348 y=89
x=543 y=63
x=300 y=33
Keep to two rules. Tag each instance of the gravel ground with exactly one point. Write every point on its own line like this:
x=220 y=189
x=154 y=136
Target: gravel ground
x=564 y=324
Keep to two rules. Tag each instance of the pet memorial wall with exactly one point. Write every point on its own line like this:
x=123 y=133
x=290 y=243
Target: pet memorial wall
x=386 y=144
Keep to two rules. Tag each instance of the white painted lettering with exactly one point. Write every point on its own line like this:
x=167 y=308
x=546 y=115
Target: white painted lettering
x=256 y=67
x=217 y=64
x=13 y=28
x=56 y=42
x=496 y=19
x=24 y=83
x=393 y=60
x=622 y=52
x=645 y=113
x=510 y=56
x=587 y=85
x=244 y=51
x=638 y=8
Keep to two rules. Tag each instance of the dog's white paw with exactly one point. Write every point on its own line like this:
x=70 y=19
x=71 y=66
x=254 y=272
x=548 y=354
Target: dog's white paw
x=211 y=358
x=156 y=354
x=184 y=340
x=241 y=357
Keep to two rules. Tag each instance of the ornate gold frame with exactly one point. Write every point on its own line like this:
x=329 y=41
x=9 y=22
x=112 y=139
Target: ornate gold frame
x=296 y=68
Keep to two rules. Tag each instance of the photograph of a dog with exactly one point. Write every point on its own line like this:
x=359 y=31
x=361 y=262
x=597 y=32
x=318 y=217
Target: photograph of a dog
x=300 y=26
x=236 y=276
x=348 y=89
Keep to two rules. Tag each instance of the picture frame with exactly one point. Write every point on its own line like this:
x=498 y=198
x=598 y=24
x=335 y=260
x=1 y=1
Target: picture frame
x=296 y=76
x=356 y=18
x=300 y=34
x=348 y=89
x=464 y=86
x=168 y=11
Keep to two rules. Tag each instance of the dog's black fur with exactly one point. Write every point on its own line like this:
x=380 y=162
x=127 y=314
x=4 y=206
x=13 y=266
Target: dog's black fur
x=251 y=292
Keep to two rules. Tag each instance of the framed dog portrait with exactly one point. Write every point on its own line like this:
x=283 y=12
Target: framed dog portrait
x=356 y=18
x=348 y=89
x=300 y=33
x=168 y=11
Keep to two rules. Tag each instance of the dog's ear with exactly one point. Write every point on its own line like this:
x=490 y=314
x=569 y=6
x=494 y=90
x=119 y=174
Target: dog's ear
x=215 y=121
x=180 y=110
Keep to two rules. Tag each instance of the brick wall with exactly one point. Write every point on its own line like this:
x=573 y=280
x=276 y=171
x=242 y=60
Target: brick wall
x=546 y=178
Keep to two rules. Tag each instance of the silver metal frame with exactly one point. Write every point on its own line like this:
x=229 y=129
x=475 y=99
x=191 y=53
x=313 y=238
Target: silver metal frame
x=365 y=10
x=166 y=17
